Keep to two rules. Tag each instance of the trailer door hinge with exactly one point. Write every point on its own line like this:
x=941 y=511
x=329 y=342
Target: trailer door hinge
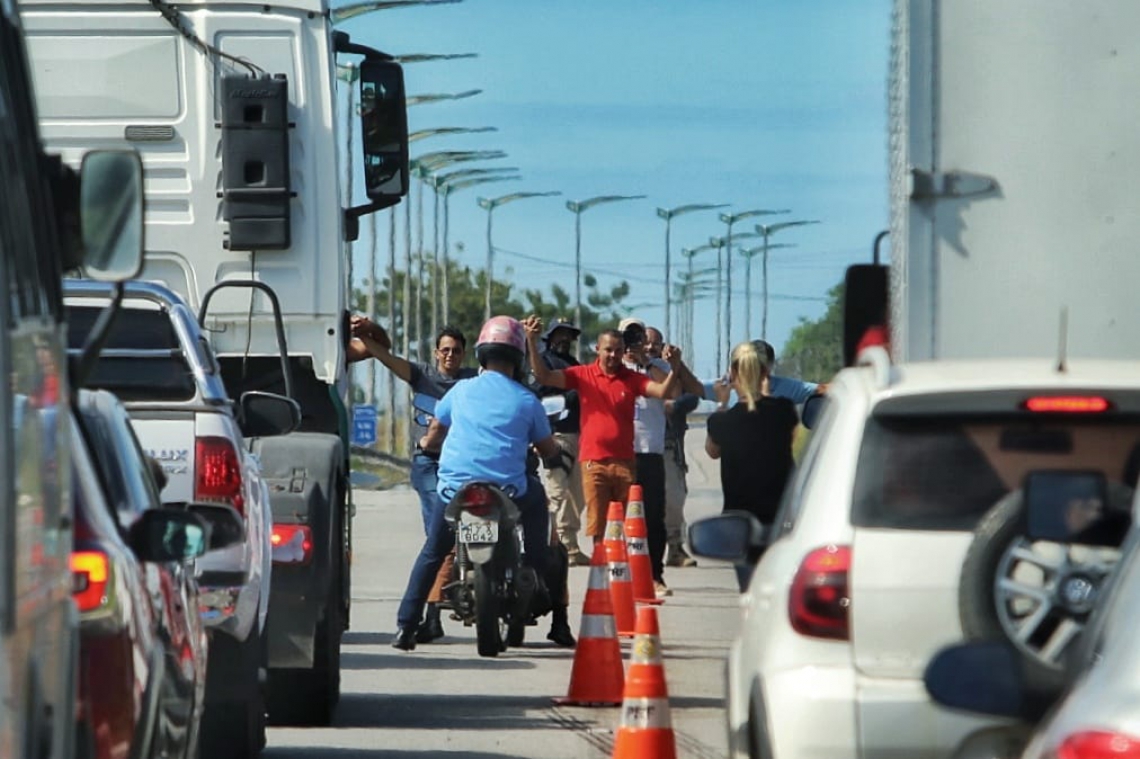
x=931 y=185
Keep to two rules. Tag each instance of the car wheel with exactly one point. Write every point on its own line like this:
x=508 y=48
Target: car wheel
x=1025 y=592
x=233 y=724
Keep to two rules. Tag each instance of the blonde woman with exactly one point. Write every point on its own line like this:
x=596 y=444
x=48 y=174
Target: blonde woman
x=752 y=440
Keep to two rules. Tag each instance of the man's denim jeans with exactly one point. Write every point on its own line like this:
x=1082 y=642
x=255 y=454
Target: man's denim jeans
x=441 y=539
x=424 y=477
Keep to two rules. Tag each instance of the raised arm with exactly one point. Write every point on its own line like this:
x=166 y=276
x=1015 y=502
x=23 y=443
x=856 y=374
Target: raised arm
x=543 y=374
x=667 y=388
x=375 y=340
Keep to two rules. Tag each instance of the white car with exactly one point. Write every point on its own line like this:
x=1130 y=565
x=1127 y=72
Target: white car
x=862 y=576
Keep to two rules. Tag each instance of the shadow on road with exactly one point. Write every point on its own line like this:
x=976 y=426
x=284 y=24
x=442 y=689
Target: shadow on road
x=420 y=661
x=306 y=752
x=481 y=712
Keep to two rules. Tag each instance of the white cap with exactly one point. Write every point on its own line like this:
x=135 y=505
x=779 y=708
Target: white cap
x=629 y=321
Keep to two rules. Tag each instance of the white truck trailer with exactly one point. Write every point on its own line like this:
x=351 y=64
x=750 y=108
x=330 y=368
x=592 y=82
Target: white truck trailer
x=1013 y=174
x=233 y=107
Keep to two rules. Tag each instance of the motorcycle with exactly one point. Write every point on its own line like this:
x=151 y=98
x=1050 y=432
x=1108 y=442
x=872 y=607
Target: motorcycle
x=491 y=588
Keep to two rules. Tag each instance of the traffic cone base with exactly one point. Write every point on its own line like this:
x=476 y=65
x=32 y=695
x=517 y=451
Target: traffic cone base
x=597 y=678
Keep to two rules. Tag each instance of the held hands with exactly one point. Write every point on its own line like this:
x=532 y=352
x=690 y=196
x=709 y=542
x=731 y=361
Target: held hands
x=363 y=327
x=533 y=326
x=672 y=354
x=722 y=390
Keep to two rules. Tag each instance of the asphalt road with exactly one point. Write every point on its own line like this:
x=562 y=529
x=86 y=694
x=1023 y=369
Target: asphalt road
x=444 y=700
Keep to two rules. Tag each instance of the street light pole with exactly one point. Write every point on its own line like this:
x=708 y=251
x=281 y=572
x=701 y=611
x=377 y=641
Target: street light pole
x=490 y=204
x=766 y=230
x=577 y=207
x=667 y=214
x=689 y=253
x=729 y=219
x=345 y=12
x=749 y=254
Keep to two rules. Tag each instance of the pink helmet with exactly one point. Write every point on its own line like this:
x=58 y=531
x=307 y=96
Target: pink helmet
x=501 y=335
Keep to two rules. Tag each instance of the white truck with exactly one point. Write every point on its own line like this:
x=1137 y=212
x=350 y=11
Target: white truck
x=233 y=107
x=1013 y=165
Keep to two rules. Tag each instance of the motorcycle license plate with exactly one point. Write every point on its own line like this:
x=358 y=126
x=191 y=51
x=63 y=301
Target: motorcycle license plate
x=478 y=532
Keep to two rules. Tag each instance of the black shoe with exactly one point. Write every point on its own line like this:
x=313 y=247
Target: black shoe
x=430 y=629
x=561 y=636
x=405 y=639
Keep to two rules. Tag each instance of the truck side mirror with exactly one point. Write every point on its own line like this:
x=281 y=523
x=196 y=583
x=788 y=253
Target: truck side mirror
x=111 y=214
x=384 y=129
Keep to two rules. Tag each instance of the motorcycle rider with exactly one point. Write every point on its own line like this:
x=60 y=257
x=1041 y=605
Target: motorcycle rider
x=490 y=422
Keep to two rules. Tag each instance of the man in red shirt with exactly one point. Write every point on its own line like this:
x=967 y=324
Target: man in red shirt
x=607 y=392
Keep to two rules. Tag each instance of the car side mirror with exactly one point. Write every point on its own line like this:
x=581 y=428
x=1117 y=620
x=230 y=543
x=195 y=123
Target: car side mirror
x=162 y=535
x=262 y=414
x=987 y=677
x=225 y=524
x=812 y=408
x=734 y=536
x=111 y=214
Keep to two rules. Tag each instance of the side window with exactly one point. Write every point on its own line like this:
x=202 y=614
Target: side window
x=793 y=493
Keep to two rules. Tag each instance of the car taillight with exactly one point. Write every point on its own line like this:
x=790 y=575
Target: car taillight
x=217 y=472
x=819 y=599
x=292 y=544
x=1099 y=744
x=478 y=501
x=1067 y=404
x=90 y=578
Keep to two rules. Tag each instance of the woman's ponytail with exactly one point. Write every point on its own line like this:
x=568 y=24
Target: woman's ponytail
x=750 y=370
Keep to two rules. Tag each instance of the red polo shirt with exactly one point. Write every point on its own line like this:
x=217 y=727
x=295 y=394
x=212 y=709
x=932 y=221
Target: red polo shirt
x=606 y=403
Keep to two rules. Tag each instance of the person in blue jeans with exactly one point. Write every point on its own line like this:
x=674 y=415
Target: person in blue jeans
x=432 y=380
x=490 y=423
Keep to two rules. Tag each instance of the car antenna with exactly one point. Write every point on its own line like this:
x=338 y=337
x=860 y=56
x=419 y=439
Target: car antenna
x=1062 y=338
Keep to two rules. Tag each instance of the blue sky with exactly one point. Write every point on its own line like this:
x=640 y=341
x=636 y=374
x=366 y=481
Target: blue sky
x=776 y=104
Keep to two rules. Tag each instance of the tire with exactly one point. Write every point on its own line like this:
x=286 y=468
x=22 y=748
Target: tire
x=487 y=635
x=978 y=603
x=234 y=727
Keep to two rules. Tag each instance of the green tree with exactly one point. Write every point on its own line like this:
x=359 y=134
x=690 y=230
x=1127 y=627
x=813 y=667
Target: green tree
x=814 y=350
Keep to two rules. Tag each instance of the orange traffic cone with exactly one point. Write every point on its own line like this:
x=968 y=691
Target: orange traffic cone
x=646 y=730
x=597 y=677
x=621 y=589
x=637 y=540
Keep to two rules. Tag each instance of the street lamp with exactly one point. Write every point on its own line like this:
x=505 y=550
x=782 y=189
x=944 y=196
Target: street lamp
x=345 y=12
x=766 y=230
x=749 y=254
x=577 y=207
x=438 y=97
x=729 y=219
x=424 y=57
x=490 y=204
x=667 y=214
x=449 y=187
x=425 y=133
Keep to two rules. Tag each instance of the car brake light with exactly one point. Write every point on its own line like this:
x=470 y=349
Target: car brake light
x=90 y=577
x=1099 y=744
x=217 y=472
x=819 y=600
x=1067 y=404
x=292 y=544
x=478 y=501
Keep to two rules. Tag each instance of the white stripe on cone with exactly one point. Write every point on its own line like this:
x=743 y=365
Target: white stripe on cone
x=597 y=626
x=646 y=713
x=638 y=547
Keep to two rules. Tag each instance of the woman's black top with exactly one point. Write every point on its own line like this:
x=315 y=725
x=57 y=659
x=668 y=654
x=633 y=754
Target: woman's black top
x=755 y=454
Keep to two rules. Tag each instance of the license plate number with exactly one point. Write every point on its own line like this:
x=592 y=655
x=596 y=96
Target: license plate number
x=478 y=532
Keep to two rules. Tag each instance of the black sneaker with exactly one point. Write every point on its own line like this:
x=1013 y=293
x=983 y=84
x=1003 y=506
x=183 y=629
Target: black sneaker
x=560 y=635
x=405 y=639
x=429 y=630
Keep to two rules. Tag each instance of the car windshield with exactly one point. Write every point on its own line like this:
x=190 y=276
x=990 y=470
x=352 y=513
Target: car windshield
x=942 y=473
